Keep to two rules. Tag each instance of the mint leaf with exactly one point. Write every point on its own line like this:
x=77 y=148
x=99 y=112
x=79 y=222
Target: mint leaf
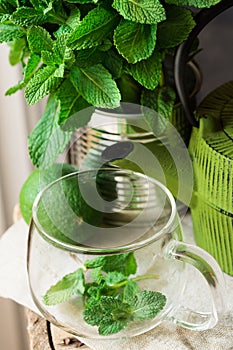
x=32 y=64
x=69 y=285
x=42 y=83
x=47 y=139
x=147 y=72
x=26 y=16
x=116 y=315
x=93 y=29
x=93 y=313
x=55 y=10
x=37 y=4
x=60 y=50
x=17 y=51
x=141 y=11
x=71 y=102
x=42 y=4
x=135 y=41
x=89 y=57
x=130 y=290
x=67 y=95
x=10 y=33
x=60 y=71
x=109 y=313
x=71 y=23
x=28 y=71
x=74 y=18
x=4 y=17
x=79 y=118
x=96 y=85
x=161 y=101
x=109 y=325
x=113 y=63
x=63 y=29
x=196 y=3
x=7 y=6
x=106 y=45
x=147 y=304
x=176 y=28
x=39 y=40
x=93 y=292
x=82 y=1
x=97 y=275
x=113 y=305
x=47 y=58
x=114 y=277
x=123 y=263
x=62 y=53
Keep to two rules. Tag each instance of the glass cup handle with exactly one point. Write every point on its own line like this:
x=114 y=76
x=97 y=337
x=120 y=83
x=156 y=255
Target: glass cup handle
x=212 y=273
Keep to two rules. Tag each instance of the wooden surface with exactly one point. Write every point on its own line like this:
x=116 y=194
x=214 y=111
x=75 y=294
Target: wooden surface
x=44 y=336
x=37 y=332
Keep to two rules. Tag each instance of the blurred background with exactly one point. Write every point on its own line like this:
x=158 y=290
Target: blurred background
x=17 y=120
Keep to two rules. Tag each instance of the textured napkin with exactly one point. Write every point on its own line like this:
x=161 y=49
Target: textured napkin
x=167 y=336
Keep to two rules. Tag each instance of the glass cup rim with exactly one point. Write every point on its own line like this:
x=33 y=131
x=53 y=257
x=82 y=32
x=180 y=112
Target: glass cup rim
x=79 y=248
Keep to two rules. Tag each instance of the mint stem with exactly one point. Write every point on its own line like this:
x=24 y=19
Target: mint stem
x=145 y=277
x=162 y=80
x=56 y=18
x=138 y=278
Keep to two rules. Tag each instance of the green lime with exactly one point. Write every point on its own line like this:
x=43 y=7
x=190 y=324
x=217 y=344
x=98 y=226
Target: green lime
x=62 y=211
x=36 y=181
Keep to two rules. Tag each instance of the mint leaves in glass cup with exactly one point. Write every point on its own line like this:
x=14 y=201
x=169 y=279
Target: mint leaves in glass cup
x=106 y=257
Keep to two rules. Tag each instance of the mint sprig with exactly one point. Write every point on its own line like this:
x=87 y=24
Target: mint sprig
x=112 y=314
x=107 y=51
x=112 y=300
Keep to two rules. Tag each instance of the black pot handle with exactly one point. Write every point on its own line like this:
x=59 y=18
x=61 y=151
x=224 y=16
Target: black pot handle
x=202 y=19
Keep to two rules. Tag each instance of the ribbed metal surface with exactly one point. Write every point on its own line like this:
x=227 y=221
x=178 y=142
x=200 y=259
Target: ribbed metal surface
x=89 y=142
x=214 y=232
x=211 y=148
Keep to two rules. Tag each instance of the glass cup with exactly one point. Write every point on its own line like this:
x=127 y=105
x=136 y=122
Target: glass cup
x=106 y=257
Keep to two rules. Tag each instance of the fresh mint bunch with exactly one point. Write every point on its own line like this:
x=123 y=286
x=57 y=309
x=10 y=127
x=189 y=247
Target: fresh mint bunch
x=92 y=53
x=113 y=299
